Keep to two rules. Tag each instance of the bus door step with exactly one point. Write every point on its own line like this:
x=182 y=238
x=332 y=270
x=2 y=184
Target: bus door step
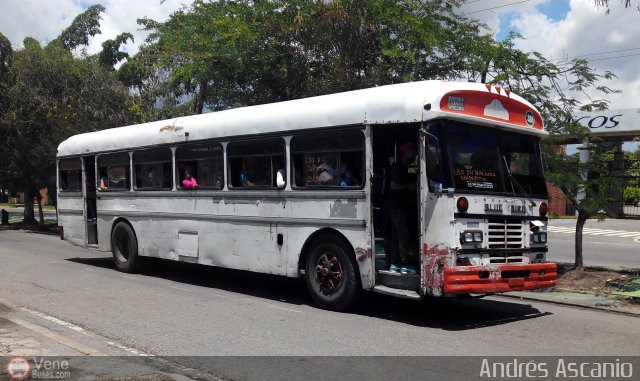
x=396 y=280
x=407 y=294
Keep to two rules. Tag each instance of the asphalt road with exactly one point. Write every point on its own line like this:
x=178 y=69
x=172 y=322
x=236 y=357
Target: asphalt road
x=608 y=243
x=175 y=309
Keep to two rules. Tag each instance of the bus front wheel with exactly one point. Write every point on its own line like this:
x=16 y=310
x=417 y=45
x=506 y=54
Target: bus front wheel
x=124 y=247
x=331 y=275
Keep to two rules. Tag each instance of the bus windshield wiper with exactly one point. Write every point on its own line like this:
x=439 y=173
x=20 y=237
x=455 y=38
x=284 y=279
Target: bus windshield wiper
x=514 y=181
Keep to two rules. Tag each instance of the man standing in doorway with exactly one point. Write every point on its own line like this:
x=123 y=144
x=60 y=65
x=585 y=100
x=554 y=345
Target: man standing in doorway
x=401 y=198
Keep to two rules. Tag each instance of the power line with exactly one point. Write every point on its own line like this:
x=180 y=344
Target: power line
x=616 y=57
x=499 y=6
x=611 y=51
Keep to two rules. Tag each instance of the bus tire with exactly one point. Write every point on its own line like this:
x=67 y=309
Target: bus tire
x=332 y=279
x=124 y=247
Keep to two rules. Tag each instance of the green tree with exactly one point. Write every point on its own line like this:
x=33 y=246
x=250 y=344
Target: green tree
x=221 y=54
x=6 y=51
x=83 y=26
x=52 y=95
x=111 y=54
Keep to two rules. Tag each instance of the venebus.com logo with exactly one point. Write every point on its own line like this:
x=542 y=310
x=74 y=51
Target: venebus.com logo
x=19 y=368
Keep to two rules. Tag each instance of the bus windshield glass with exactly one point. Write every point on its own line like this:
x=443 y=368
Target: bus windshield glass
x=476 y=159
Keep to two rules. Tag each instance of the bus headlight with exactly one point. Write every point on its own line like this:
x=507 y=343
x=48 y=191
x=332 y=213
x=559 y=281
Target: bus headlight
x=540 y=237
x=470 y=236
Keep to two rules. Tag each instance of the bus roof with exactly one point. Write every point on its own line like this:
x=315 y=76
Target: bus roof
x=398 y=103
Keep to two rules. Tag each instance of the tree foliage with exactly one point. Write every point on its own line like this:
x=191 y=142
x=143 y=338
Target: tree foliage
x=85 y=25
x=111 y=54
x=221 y=54
x=50 y=94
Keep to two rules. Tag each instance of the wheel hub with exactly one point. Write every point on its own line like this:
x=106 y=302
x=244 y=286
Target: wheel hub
x=329 y=273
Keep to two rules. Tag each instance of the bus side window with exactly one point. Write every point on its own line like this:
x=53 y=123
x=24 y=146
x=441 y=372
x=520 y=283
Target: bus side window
x=153 y=169
x=328 y=160
x=70 y=174
x=256 y=163
x=205 y=161
x=113 y=170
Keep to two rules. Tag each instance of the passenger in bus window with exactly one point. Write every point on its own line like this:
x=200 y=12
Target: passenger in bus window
x=189 y=181
x=326 y=174
x=402 y=190
x=103 y=184
x=253 y=174
x=346 y=178
x=246 y=179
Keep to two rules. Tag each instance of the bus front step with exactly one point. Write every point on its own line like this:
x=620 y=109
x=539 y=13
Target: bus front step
x=407 y=294
x=396 y=280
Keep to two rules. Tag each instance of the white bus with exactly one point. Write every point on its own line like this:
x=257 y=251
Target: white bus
x=299 y=189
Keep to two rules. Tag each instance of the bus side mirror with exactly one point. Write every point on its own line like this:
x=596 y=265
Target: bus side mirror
x=431 y=158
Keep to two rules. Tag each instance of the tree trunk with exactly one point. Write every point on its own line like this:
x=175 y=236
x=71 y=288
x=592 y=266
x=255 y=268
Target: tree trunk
x=29 y=218
x=200 y=98
x=40 y=212
x=582 y=218
x=483 y=75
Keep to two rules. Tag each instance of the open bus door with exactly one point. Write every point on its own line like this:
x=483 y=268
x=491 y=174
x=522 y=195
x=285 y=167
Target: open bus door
x=89 y=195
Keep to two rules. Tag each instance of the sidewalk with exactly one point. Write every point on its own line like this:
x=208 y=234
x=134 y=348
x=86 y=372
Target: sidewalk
x=609 y=303
x=17 y=340
x=576 y=299
x=24 y=338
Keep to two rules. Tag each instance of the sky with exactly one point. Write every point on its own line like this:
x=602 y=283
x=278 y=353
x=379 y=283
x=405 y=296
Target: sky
x=556 y=28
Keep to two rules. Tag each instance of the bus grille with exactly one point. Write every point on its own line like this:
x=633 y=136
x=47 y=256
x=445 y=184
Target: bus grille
x=505 y=234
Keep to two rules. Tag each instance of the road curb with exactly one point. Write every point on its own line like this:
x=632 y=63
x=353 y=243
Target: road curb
x=627 y=311
x=624 y=270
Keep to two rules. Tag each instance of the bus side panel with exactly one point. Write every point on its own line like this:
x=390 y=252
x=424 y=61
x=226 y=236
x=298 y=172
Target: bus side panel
x=236 y=232
x=246 y=246
x=71 y=217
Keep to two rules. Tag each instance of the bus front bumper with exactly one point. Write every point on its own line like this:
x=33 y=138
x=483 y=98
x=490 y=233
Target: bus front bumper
x=499 y=278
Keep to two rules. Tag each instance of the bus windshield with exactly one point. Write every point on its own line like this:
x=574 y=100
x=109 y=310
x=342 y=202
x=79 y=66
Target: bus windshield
x=476 y=159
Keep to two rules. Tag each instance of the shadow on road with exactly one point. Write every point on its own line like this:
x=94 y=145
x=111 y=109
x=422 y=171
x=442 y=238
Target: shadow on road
x=443 y=313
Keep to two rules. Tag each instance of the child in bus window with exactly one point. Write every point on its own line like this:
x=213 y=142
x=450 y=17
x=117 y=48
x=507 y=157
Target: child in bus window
x=189 y=181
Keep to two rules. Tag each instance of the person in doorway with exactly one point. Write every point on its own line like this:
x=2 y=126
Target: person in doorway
x=189 y=181
x=402 y=188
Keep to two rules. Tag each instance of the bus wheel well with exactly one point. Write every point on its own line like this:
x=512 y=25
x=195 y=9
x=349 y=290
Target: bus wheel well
x=124 y=220
x=319 y=235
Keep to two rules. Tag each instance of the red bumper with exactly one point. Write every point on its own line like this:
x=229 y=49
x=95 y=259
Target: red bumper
x=499 y=278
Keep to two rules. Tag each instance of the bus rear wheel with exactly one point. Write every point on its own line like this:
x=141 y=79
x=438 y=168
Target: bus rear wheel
x=124 y=247
x=331 y=275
